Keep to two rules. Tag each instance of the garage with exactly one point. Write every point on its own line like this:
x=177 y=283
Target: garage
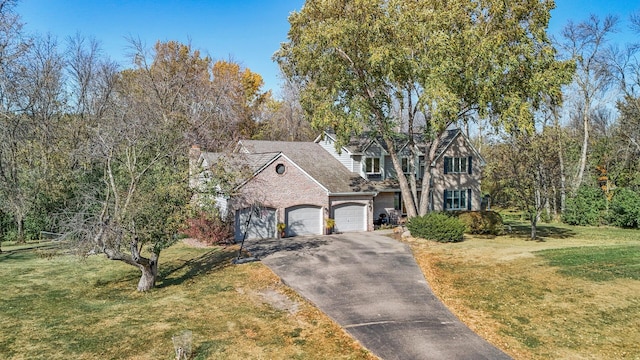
x=303 y=220
x=262 y=226
x=350 y=217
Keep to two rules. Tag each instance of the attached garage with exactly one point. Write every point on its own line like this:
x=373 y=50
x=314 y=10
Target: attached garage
x=262 y=225
x=303 y=220
x=350 y=217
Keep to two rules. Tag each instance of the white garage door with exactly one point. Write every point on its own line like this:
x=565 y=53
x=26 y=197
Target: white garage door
x=350 y=217
x=262 y=226
x=304 y=220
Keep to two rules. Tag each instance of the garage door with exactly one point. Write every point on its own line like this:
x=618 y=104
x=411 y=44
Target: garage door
x=350 y=217
x=262 y=226
x=304 y=220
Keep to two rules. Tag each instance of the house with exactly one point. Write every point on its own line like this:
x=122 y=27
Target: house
x=455 y=171
x=298 y=184
x=303 y=184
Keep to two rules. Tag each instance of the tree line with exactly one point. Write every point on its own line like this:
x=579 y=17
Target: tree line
x=580 y=164
x=98 y=152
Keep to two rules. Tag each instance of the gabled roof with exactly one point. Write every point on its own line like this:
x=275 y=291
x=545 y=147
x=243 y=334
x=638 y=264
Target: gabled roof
x=448 y=138
x=310 y=157
x=358 y=144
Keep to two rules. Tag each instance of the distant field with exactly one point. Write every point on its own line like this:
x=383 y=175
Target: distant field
x=56 y=306
x=574 y=295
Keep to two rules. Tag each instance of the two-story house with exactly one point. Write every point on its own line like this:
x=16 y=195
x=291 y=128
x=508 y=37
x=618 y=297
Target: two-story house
x=455 y=171
x=303 y=184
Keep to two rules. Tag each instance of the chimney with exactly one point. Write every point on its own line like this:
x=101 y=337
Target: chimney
x=194 y=171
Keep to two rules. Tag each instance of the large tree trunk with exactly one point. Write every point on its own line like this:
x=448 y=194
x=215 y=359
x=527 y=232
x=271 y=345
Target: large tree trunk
x=149 y=271
x=20 y=225
x=426 y=180
x=405 y=189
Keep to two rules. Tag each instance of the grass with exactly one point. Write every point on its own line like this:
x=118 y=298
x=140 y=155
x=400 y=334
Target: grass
x=57 y=306
x=575 y=294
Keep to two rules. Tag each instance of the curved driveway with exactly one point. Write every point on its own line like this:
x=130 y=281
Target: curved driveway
x=371 y=285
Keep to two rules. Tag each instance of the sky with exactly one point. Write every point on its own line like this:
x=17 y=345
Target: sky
x=246 y=31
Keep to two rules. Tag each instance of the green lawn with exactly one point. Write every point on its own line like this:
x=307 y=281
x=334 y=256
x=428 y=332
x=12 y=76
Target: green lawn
x=573 y=295
x=58 y=306
x=597 y=264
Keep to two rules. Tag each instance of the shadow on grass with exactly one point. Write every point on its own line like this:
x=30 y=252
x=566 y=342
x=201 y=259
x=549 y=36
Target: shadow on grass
x=175 y=274
x=523 y=230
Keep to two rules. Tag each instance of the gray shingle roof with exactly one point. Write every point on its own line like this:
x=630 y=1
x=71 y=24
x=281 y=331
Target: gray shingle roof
x=314 y=160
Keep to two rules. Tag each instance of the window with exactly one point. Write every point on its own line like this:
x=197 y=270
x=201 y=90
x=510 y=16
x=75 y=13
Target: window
x=457 y=199
x=372 y=165
x=405 y=165
x=280 y=169
x=457 y=165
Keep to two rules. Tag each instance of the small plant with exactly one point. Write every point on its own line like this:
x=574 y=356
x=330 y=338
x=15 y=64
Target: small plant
x=329 y=225
x=437 y=226
x=281 y=228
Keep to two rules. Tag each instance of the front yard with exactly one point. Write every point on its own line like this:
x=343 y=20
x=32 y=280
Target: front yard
x=55 y=306
x=575 y=295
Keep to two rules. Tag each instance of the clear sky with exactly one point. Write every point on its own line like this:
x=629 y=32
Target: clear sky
x=247 y=31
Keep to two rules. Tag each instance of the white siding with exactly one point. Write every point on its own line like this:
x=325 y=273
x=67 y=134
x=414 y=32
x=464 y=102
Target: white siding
x=344 y=157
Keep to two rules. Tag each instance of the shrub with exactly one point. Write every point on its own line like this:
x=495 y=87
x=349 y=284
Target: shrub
x=586 y=207
x=209 y=229
x=624 y=210
x=437 y=226
x=481 y=222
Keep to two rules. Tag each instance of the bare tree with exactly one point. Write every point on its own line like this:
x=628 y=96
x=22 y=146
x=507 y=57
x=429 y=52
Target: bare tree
x=586 y=43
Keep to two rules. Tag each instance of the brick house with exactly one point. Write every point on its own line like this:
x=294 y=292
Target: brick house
x=294 y=183
x=302 y=184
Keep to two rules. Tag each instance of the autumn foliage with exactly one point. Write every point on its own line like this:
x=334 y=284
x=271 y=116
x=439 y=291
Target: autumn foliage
x=209 y=229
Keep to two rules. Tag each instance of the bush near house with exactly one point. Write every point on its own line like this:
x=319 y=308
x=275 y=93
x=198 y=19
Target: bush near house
x=481 y=222
x=210 y=229
x=437 y=226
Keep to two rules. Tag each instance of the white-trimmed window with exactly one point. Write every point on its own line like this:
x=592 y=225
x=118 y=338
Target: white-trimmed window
x=457 y=199
x=457 y=165
x=372 y=165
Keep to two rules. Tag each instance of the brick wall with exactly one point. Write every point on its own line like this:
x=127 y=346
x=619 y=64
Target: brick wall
x=280 y=191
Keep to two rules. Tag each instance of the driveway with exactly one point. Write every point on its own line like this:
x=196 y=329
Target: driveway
x=371 y=285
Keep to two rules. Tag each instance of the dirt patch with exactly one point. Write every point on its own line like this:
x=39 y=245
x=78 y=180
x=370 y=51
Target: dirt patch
x=193 y=242
x=278 y=300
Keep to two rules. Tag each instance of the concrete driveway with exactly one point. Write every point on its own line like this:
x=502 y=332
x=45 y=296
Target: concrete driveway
x=371 y=285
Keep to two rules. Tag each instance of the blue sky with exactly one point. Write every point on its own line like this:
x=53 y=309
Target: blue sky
x=247 y=31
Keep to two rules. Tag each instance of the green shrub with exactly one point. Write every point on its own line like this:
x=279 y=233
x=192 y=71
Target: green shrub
x=624 y=210
x=437 y=226
x=481 y=222
x=586 y=207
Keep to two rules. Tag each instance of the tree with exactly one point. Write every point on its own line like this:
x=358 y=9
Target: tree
x=420 y=66
x=284 y=120
x=524 y=167
x=13 y=130
x=585 y=43
x=137 y=147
